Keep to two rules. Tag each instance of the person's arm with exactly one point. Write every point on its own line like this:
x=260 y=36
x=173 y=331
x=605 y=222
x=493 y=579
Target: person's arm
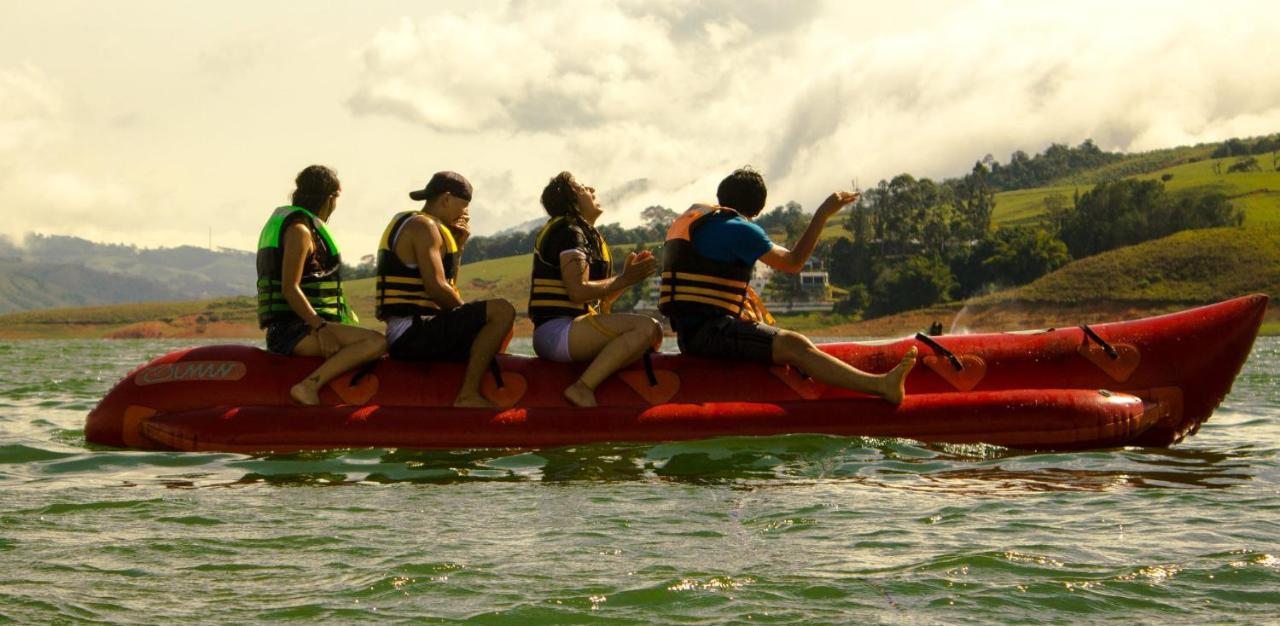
x=574 y=274
x=424 y=237
x=297 y=247
x=793 y=260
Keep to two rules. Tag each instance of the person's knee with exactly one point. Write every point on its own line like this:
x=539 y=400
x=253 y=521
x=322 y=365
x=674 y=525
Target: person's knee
x=500 y=312
x=376 y=344
x=789 y=346
x=653 y=332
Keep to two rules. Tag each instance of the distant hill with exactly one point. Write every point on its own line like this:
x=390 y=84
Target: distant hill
x=522 y=227
x=48 y=271
x=25 y=286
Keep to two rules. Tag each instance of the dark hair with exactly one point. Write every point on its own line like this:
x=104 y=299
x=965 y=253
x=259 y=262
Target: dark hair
x=314 y=185
x=743 y=191
x=559 y=198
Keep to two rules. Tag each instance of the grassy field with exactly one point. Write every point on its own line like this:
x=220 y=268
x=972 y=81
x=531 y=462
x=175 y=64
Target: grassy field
x=1191 y=267
x=1258 y=193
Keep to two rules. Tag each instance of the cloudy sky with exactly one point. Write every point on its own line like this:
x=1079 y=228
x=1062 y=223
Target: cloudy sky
x=157 y=123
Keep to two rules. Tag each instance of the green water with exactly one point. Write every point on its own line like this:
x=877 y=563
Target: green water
x=797 y=529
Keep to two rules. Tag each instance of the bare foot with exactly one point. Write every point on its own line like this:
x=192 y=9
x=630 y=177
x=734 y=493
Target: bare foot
x=472 y=401
x=306 y=393
x=895 y=381
x=579 y=395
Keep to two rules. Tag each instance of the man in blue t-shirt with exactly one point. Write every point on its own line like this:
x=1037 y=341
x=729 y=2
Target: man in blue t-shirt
x=728 y=239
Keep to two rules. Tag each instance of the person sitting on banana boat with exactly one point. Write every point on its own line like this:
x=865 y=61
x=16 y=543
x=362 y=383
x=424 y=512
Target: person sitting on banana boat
x=300 y=299
x=416 y=293
x=574 y=284
x=708 y=258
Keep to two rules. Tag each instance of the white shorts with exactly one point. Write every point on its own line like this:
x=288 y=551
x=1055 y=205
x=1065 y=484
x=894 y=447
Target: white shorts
x=551 y=340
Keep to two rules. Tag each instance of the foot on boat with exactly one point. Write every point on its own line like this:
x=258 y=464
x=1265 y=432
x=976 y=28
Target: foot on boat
x=896 y=380
x=476 y=401
x=306 y=393
x=579 y=395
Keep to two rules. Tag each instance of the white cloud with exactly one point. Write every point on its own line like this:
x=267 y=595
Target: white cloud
x=136 y=134
x=30 y=109
x=678 y=93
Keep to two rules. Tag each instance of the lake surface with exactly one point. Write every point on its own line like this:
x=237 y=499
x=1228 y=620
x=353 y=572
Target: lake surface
x=796 y=529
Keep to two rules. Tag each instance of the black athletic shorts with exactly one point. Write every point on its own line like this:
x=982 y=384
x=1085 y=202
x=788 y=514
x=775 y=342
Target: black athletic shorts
x=445 y=336
x=284 y=336
x=730 y=338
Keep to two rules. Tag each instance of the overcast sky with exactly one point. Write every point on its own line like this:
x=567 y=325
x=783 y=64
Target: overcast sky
x=154 y=123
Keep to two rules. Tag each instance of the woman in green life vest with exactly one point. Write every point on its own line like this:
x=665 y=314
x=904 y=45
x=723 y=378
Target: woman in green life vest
x=300 y=298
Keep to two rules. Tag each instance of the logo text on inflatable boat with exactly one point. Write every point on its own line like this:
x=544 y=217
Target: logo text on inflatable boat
x=191 y=370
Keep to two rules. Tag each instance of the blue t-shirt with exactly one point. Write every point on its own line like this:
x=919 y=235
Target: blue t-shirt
x=725 y=237
x=729 y=237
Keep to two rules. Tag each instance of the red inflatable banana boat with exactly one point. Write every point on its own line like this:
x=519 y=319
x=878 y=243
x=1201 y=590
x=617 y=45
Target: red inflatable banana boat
x=1143 y=382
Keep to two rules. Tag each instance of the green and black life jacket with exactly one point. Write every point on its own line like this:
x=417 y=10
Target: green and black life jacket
x=548 y=297
x=399 y=291
x=696 y=285
x=321 y=280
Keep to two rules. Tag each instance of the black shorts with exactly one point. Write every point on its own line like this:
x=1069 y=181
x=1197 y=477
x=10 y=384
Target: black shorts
x=284 y=336
x=731 y=338
x=445 y=336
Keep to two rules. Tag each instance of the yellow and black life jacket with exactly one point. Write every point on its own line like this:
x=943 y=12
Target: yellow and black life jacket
x=696 y=285
x=398 y=291
x=321 y=280
x=548 y=297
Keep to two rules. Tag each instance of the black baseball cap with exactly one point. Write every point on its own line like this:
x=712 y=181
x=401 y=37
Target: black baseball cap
x=441 y=182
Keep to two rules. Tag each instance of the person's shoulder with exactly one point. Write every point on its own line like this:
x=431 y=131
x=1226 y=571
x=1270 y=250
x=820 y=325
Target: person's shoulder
x=297 y=226
x=741 y=224
x=419 y=226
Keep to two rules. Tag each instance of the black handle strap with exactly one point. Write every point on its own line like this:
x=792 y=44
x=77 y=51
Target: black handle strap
x=1106 y=347
x=937 y=347
x=497 y=373
x=648 y=368
x=364 y=370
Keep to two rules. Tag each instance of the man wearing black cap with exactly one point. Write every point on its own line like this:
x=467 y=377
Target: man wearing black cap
x=416 y=293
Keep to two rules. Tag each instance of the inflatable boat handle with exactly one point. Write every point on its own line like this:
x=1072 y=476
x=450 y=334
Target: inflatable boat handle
x=937 y=347
x=1106 y=347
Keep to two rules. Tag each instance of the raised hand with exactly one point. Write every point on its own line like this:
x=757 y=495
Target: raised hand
x=837 y=201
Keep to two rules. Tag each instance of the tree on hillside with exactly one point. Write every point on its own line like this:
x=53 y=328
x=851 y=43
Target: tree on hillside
x=658 y=219
x=918 y=282
x=1231 y=147
x=1021 y=254
x=1249 y=164
x=975 y=201
x=789 y=218
x=1125 y=212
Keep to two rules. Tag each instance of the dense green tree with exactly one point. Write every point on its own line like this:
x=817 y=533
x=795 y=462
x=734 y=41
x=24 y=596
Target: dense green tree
x=917 y=282
x=658 y=219
x=1125 y=212
x=1021 y=254
x=855 y=302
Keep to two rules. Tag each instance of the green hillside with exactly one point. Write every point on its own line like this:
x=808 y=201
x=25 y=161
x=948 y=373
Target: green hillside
x=1258 y=193
x=26 y=286
x=1191 y=267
